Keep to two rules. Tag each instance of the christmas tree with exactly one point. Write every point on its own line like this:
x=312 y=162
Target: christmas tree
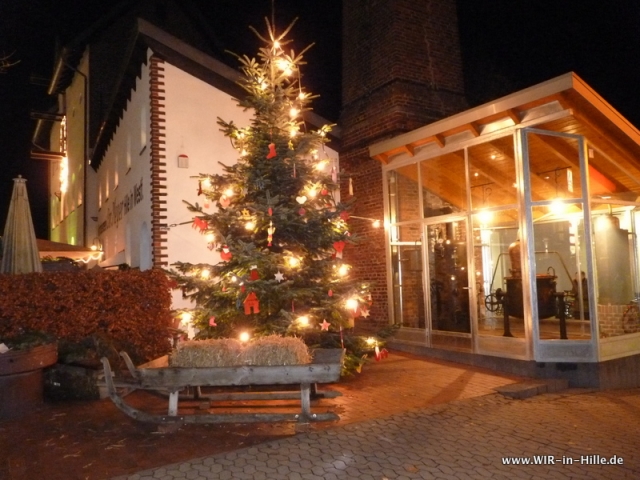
x=279 y=226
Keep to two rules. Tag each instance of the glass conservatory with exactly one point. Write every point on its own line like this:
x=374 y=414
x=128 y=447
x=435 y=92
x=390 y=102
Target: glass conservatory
x=512 y=228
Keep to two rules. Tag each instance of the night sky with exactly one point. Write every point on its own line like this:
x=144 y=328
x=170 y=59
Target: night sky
x=507 y=45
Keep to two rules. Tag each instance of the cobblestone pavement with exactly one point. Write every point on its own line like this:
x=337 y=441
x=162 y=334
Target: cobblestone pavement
x=567 y=432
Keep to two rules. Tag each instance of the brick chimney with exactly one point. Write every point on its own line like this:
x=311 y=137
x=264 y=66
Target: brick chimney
x=402 y=69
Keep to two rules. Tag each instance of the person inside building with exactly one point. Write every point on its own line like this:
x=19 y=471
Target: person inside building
x=580 y=291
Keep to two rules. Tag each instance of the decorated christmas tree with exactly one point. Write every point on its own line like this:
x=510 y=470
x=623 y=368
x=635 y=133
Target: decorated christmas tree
x=279 y=225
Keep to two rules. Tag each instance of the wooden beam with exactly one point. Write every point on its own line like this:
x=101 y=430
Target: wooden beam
x=474 y=128
x=439 y=139
x=410 y=150
x=513 y=115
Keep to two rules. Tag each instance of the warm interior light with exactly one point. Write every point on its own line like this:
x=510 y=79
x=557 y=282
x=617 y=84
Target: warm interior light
x=485 y=217
x=64 y=174
x=343 y=270
x=376 y=224
x=557 y=207
x=185 y=318
x=371 y=341
x=244 y=336
x=210 y=237
x=205 y=273
x=229 y=192
x=249 y=225
x=294 y=112
x=206 y=183
x=303 y=321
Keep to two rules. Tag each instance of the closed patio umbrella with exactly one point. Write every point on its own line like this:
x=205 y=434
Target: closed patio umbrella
x=19 y=248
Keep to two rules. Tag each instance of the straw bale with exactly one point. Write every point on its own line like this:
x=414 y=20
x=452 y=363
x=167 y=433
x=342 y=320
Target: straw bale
x=223 y=352
x=228 y=352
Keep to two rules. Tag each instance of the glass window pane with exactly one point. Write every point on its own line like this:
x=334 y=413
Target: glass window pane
x=493 y=233
x=554 y=165
x=560 y=272
x=404 y=204
x=613 y=180
x=448 y=277
x=492 y=174
x=444 y=184
x=616 y=267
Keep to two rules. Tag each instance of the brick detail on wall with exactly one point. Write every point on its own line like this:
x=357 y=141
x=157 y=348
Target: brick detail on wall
x=158 y=163
x=368 y=257
x=402 y=69
x=613 y=321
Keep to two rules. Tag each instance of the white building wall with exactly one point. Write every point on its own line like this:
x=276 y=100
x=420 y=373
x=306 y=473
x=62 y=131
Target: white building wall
x=123 y=186
x=192 y=110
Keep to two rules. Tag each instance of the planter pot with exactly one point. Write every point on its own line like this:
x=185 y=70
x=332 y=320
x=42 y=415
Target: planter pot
x=21 y=379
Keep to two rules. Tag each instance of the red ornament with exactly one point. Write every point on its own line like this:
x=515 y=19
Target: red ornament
x=199 y=224
x=251 y=303
x=324 y=191
x=253 y=275
x=339 y=246
x=302 y=211
x=270 y=211
x=225 y=201
x=272 y=151
x=330 y=293
x=226 y=254
x=212 y=322
x=344 y=215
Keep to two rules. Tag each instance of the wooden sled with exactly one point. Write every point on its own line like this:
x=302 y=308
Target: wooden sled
x=159 y=377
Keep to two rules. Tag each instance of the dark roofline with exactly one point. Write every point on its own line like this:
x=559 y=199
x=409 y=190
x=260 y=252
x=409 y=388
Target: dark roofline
x=183 y=56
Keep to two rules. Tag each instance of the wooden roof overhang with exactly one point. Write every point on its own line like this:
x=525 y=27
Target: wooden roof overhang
x=565 y=104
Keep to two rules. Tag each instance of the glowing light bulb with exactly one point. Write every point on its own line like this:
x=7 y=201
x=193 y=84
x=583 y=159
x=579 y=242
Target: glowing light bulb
x=234 y=279
x=485 y=217
x=343 y=270
x=352 y=304
x=205 y=273
x=303 y=321
x=321 y=165
x=186 y=318
x=206 y=183
x=293 y=132
x=210 y=237
x=249 y=225
x=283 y=64
x=294 y=262
x=294 y=112
x=376 y=224
x=244 y=336
x=371 y=341
x=229 y=192
x=276 y=45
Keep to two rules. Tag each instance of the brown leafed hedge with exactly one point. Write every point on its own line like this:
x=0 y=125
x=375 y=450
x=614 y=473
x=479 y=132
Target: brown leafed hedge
x=130 y=307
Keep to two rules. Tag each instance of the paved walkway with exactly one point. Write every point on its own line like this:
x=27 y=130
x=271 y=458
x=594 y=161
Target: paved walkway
x=467 y=438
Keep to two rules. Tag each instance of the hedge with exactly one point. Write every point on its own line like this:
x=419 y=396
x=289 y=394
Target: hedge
x=131 y=308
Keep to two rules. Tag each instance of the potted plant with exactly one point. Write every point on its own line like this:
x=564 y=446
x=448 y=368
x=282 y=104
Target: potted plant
x=22 y=360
